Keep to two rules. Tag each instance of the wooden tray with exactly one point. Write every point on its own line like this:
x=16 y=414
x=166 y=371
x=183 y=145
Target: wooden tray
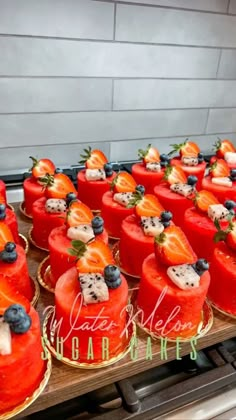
x=66 y=383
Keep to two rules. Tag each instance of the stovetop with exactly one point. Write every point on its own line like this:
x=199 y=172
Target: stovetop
x=198 y=389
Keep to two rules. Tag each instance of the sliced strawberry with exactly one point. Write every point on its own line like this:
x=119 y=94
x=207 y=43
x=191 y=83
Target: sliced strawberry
x=10 y=295
x=149 y=155
x=123 y=182
x=5 y=235
x=92 y=257
x=223 y=146
x=93 y=159
x=228 y=235
x=173 y=248
x=188 y=148
x=78 y=213
x=204 y=199
x=149 y=206
x=57 y=186
x=42 y=167
x=219 y=168
x=175 y=175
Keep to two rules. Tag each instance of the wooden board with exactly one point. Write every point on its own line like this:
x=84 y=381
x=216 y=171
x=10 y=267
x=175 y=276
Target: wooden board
x=67 y=382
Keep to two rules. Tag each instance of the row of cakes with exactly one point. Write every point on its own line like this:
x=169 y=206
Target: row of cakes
x=93 y=283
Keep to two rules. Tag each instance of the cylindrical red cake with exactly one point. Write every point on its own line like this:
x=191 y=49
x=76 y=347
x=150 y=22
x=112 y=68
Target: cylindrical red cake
x=44 y=222
x=11 y=222
x=173 y=202
x=22 y=371
x=17 y=273
x=95 y=322
x=91 y=192
x=148 y=179
x=113 y=214
x=32 y=191
x=60 y=259
x=222 y=290
x=221 y=192
x=3 y=194
x=198 y=171
x=165 y=309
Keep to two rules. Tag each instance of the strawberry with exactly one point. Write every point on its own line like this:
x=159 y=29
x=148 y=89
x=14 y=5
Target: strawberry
x=223 y=146
x=188 y=148
x=5 y=235
x=57 y=186
x=228 y=235
x=78 y=213
x=42 y=167
x=10 y=295
x=175 y=175
x=204 y=199
x=146 y=205
x=93 y=159
x=149 y=155
x=173 y=248
x=123 y=182
x=219 y=168
x=92 y=257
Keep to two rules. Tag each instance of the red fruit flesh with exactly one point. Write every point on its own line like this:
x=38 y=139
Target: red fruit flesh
x=189 y=149
x=95 y=258
x=219 y=169
x=3 y=195
x=149 y=206
x=204 y=199
x=32 y=191
x=113 y=214
x=178 y=312
x=72 y=313
x=224 y=146
x=5 y=234
x=124 y=182
x=146 y=178
x=9 y=295
x=97 y=160
x=11 y=222
x=221 y=192
x=198 y=170
x=78 y=213
x=42 y=167
x=61 y=186
x=91 y=192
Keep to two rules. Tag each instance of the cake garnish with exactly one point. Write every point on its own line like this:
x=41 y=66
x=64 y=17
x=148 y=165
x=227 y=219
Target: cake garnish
x=57 y=186
x=108 y=168
x=83 y=232
x=149 y=155
x=93 y=159
x=151 y=226
x=175 y=175
x=42 y=167
x=70 y=197
x=5 y=338
x=230 y=158
x=173 y=248
x=2 y=211
x=203 y=199
x=223 y=146
x=223 y=180
x=233 y=175
x=8 y=254
x=187 y=149
x=95 y=174
x=187 y=276
x=186 y=189
x=217 y=211
x=190 y=160
x=227 y=235
x=55 y=205
x=146 y=205
x=98 y=225
x=123 y=182
x=219 y=168
x=94 y=288
x=123 y=198
x=165 y=160
x=78 y=213
x=112 y=276
x=10 y=295
x=92 y=256
x=17 y=318
x=153 y=167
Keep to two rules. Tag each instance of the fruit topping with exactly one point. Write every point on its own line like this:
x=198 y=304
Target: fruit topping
x=223 y=146
x=10 y=295
x=192 y=180
x=42 y=167
x=140 y=189
x=200 y=157
x=70 y=197
x=93 y=159
x=146 y=205
x=183 y=189
x=5 y=338
x=153 y=167
x=108 y=168
x=166 y=217
x=204 y=199
x=91 y=257
x=112 y=276
x=9 y=255
x=188 y=148
x=98 y=225
x=200 y=266
x=151 y=226
x=149 y=155
x=230 y=158
x=78 y=213
x=95 y=174
x=55 y=205
x=175 y=175
x=190 y=160
x=219 y=169
x=5 y=235
x=184 y=276
x=19 y=321
x=165 y=158
x=233 y=175
x=57 y=186
x=123 y=198
x=217 y=211
x=58 y=171
x=81 y=232
x=2 y=211
x=228 y=235
x=123 y=182
x=225 y=181
x=173 y=248
x=94 y=288
x=230 y=205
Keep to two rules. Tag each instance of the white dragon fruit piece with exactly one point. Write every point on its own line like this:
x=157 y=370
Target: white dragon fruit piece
x=222 y=180
x=189 y=160
x=95 y=174
x=123 y=198
x=184 y=276
x=81 y=232
x=217 y=211
x=94 y=288
x=5 y=338
x=55 y=205
x=230 y=157
x=182 y=189
x=151 y=225
x=153 y=166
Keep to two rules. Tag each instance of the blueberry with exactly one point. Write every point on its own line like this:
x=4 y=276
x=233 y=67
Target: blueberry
x=113 y=284
x=166 y=224
x=141 y=189
x=14 y=314
x=200 y=157
x=192 y=180
x=70 y=197
x=164 y=157
x=23 y=326
x=233 y=178
x=108 y=168
x=233 y=173
x=164 y=163
x=230 y=204
x=2 y=208
x=10 y=246
x=166 y=216
x=111 y=273
x=58 y=171
x=97 y=225
x=201 y=265
x=8 y=257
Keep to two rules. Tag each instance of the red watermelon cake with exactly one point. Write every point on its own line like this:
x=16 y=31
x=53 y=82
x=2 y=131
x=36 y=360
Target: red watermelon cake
x=9 y=218
x=221 y=180
x=3 y=194
x=224 y=149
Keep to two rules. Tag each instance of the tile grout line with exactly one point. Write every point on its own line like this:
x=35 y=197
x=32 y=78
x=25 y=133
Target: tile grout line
x=218 y=66
x=114 y=23
x=228 y=6
x=207 y=119
x=126 y=78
